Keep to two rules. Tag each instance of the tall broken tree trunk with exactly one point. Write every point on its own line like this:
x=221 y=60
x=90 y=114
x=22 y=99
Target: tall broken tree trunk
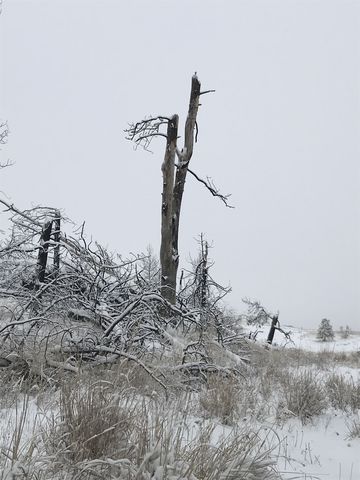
x=43 y=253
x=168 y=258
x=173 y=192
x=274 y=321
x=174 y=176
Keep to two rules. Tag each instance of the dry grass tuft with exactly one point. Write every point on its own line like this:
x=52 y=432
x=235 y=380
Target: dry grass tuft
x=221 y=398
x=239 y=456
x=95 y=422
x=303 y=394
x=228 y=398
x=343 y=393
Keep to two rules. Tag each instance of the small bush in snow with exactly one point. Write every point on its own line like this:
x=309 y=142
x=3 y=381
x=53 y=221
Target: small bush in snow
x=325 y=331
x=222 y=398
x=94 y=423
x=344 y=394
x=303 y=394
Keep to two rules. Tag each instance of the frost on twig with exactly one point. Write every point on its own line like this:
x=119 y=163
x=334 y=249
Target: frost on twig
x=209 y=184
x=142 y=133
x=4 y=133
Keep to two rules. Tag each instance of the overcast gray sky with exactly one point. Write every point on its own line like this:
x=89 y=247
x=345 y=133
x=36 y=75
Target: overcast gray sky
x=281 y=134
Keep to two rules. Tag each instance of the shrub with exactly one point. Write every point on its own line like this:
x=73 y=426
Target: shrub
x=221 y=398
x=343 y=393
x=243 y=455
x=228 y=397
x=94 y=424
x=303 y=394
x=325 y=331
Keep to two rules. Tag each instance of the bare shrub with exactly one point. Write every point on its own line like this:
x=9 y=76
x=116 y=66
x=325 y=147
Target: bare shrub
x=237 y=456
x=303 y=394
x=229 y=397
x=221 y=398
x=343 y=393
x=355 y=396
x=94 y=423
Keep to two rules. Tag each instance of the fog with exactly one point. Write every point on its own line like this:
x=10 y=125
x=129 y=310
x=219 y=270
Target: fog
x=281 y=134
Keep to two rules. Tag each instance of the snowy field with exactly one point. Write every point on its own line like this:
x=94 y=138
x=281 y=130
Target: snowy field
x=305 y=339
x=317 y=448
x=321 y=449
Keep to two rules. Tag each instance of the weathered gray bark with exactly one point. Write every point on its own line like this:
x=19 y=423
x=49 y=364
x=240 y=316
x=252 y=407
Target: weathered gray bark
x=185 y=156
x=43 y=252
x=56 y=233
x=168 y=257
x=173 y=193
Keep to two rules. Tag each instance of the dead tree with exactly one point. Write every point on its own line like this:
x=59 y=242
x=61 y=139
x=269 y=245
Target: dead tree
x=43 y=252
x=258 y=315
x=174 y=176
x=28 y=225
x=56 y=235
x=170 y=214
x=204 y=272
x=274 y=322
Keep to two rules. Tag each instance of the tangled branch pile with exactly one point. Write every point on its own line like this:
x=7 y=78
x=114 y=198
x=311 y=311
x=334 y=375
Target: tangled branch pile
x=71 y=300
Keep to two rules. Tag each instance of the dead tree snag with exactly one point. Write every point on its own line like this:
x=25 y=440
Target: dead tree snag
x=43 y=252
x=174 y=177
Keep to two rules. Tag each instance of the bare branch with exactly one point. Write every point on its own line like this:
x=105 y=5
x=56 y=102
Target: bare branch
x=4 y=133
x=212 y=188
x=8 y=163
x=12 y=208
x=142 y=133
x=206 y=91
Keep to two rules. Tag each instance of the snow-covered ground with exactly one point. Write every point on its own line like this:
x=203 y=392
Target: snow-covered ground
x=319 y=449
x=306 y=339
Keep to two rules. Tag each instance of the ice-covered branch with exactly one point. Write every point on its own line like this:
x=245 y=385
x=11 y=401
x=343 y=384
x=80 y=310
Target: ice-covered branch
x=142 y=133
x=209 y=184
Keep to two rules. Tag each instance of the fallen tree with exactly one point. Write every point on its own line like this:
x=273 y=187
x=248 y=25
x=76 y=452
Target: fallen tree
x=93 y=306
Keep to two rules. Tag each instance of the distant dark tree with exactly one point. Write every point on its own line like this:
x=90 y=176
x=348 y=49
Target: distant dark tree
x=325 y=331
x=259 y=316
